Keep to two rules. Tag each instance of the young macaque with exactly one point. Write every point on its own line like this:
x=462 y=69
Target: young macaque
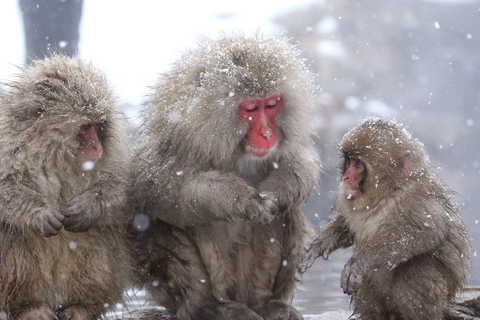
x=410 y=251
x=63 y=253
x=226 y=161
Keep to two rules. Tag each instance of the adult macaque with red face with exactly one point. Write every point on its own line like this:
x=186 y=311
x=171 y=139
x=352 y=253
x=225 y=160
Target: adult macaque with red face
x=410 y=251
x=63 y=254
x=226 y=161
x=260 y=115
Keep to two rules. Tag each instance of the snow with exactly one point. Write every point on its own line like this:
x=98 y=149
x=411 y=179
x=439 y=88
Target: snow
x=327 y=25
x=88 y=166
x=331 y=49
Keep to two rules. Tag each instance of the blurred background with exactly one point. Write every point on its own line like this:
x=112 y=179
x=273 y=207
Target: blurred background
x=413 y=60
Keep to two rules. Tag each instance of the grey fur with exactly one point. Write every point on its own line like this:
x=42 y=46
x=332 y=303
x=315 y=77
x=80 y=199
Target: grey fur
x=410 y=251
x=227 y=233
x=45 y=271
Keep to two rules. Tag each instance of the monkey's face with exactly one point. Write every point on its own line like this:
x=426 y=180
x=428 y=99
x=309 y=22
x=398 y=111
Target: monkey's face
x=353 y=177
x=260 y=114
x=90 y=144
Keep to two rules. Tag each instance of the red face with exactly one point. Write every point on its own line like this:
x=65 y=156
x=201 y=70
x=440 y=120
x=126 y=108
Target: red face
x=90 y=146
x=260 y=114
x=354 y=174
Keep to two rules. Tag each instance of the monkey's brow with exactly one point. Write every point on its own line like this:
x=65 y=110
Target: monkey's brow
x=346 y=154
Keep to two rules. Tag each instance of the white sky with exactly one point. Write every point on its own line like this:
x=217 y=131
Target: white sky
x=133 y=41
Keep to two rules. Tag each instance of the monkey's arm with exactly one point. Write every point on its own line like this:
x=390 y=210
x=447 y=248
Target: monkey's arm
x=100 y=204
x=335 y=234
x=24 y=208
x=185 y=197
x=292 y=181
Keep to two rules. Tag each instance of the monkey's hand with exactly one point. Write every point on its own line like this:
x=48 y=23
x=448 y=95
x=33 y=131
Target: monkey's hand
x=80 y=212
x=352 y=276
x=315 y=250
x=261 y=208
x=50 y=221
x=329 y=239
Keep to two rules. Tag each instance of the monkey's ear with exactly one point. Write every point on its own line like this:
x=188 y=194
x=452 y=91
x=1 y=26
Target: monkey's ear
x=36 y=112
x=404 y=163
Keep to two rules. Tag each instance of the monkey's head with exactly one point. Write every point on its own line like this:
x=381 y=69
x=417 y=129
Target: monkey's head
x=59 y=112
x=379 y=157
x=234 y=98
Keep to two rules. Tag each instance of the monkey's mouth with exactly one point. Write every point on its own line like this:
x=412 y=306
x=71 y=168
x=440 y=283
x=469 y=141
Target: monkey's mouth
x=258 y=152
x=350 y=193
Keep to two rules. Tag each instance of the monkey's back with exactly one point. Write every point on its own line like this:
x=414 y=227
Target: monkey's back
x=430 y=278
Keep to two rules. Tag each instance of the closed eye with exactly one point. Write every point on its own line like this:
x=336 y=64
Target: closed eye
x=272 y=103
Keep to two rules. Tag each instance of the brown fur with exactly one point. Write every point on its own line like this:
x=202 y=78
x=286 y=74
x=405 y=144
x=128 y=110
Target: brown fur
x=411 y=249
x=217 y=248
x=76 y=274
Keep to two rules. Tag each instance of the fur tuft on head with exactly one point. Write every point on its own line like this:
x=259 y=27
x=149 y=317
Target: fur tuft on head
x=383 y=143
x=203 y=88
x=42 y=112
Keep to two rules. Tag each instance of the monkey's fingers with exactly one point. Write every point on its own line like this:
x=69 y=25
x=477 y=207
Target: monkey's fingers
x=77 y=223
x=309 y=259
x=307 y=264
x=344 y=282
x=350 y=282
x=261 y=209
x=78 y=217
x=326 y=254
x=52 y=222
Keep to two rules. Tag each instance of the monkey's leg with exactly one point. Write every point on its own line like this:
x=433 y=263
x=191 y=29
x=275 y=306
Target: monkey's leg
x=35 y=312
x=77 y=312
x=369 y=302
x=420 y=288
x=279 y=248
x=415 y=290
x=175 y=275
x=24 y=287
x=98 y=273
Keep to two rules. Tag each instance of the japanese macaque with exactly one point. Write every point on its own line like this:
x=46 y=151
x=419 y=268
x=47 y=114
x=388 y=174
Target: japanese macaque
x=410 y=251
x=227 y=160
x=63 y=181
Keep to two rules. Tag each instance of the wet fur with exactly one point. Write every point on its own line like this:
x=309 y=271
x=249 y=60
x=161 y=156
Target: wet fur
x=410 y=253
x=192 y=177
x=72 y=273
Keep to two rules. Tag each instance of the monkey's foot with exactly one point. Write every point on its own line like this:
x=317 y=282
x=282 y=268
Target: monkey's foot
x=235 y=311
x=279 y=310
x=75 y=312
x=36 y=312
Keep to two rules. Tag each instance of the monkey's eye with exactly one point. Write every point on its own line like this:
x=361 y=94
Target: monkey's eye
x=102 y=125
x=272 y=103
x=85 y=127
x=250 y=107
x=358 y=164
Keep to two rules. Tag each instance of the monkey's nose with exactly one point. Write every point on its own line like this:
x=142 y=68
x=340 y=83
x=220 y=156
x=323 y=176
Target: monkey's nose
x=267 y=134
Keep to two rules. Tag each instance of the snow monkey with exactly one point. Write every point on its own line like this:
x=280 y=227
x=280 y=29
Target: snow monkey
x=226 y=161
x=410 y=251
x=63 y=180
